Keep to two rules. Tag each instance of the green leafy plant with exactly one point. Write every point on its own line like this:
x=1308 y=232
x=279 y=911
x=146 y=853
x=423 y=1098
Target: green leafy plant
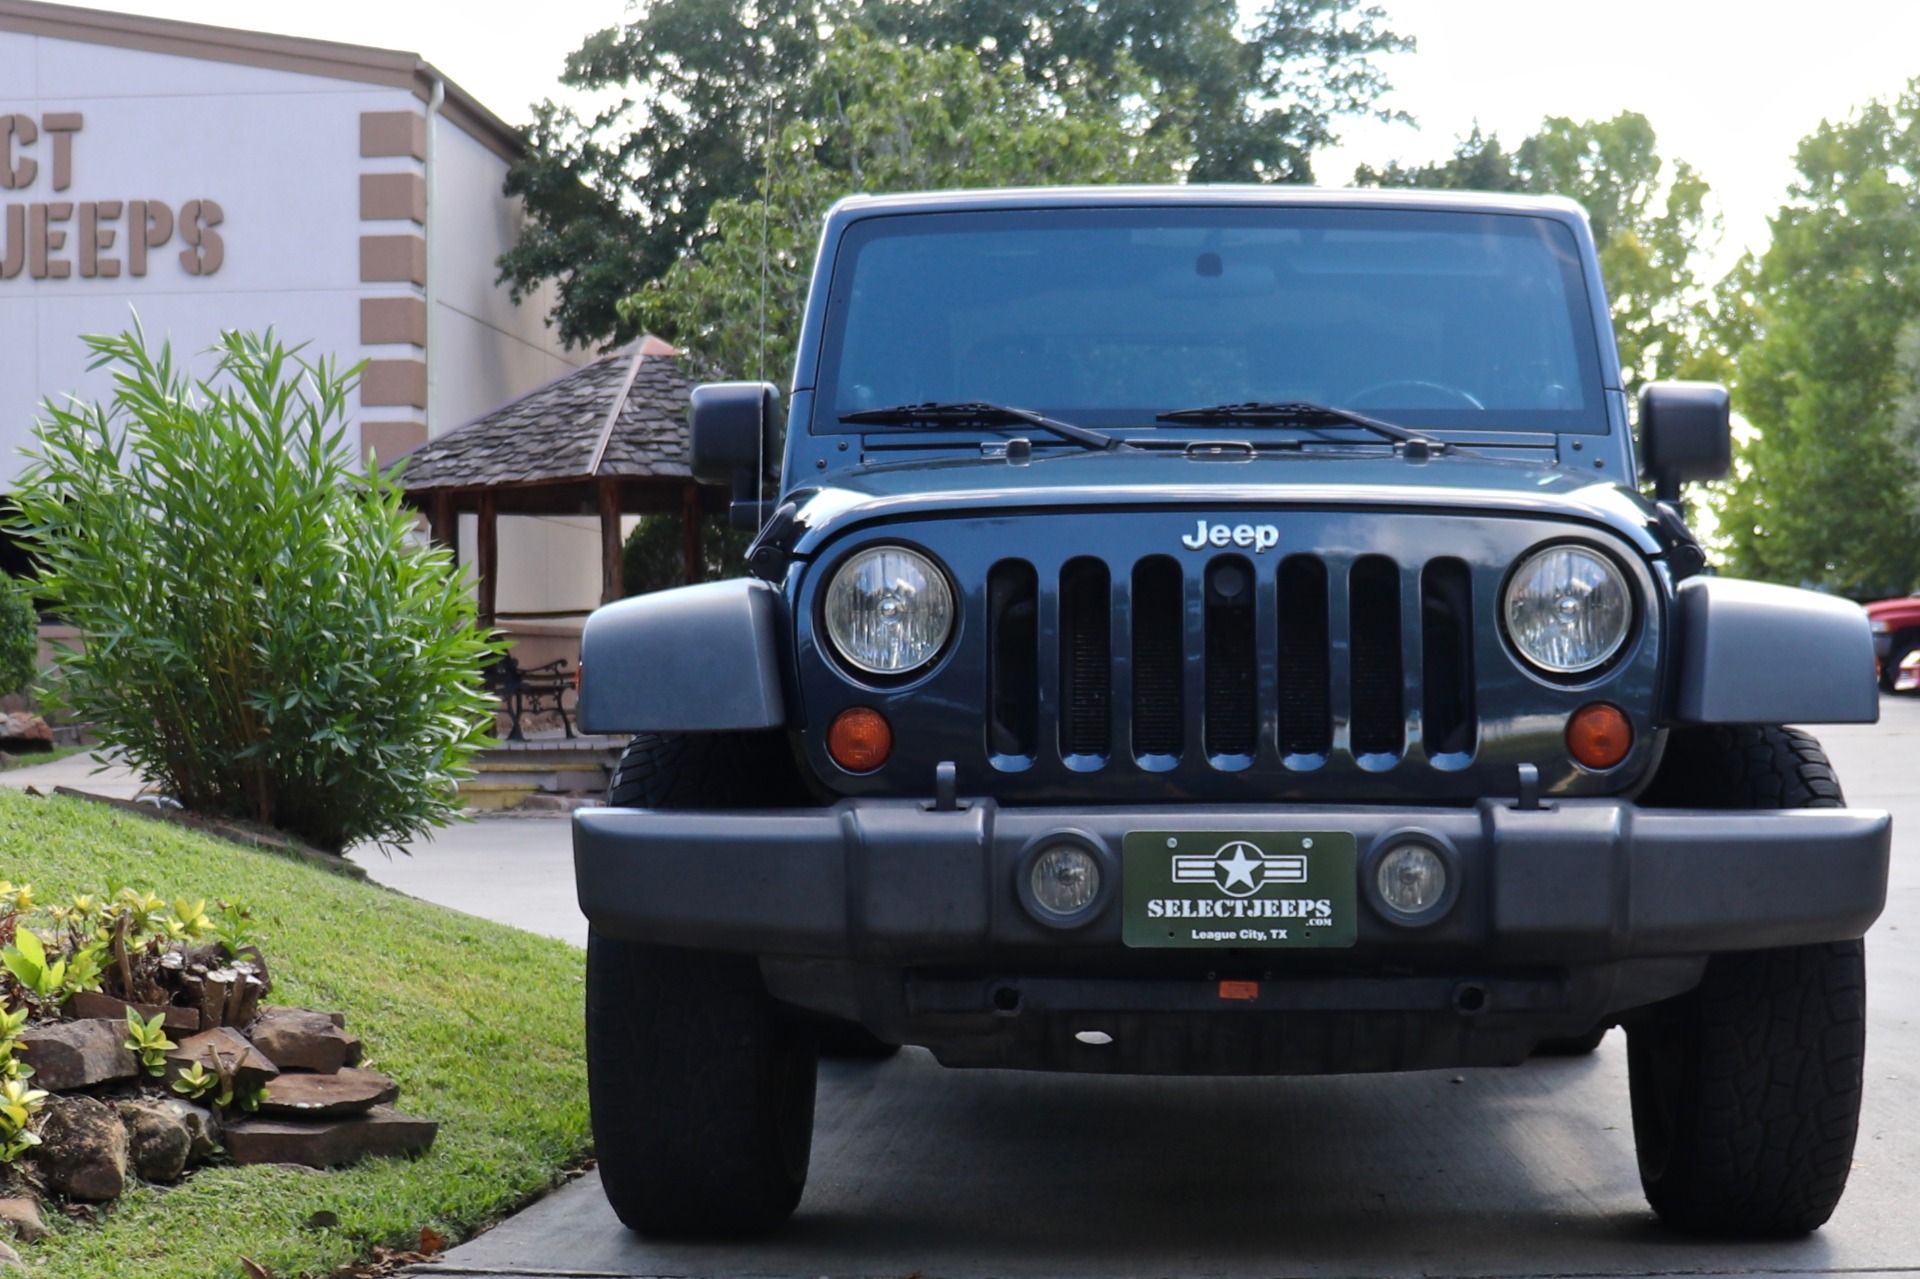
x=27 y=960
x=194 y=1082
x=19 y=636
x=149 y=1039
x=15 y=899
x=265 y=635
x=11 y=1067
x=233 y=927
x=18 y=1105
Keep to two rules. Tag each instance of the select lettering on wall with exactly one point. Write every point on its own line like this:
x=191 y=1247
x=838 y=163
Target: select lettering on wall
x=54 y=239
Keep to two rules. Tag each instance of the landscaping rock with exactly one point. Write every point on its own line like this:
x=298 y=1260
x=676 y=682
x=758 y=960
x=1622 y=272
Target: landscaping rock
x=201 y=1123
x=83 y=1149
x=300 y=1039
x=251 y=1067
x=329 y=1144
x=91 y=1003
x=347 y=1092
x=22 y=731
x=22 y=1216
x=158 y=1141
x=66 y=1055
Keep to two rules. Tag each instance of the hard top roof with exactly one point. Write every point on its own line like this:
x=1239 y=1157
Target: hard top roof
x=1198 y=195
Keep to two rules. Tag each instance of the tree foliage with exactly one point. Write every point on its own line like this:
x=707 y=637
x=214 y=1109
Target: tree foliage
x=653 y=558
x=1648 y=222
x=890 y=117
x=1824 y=491
x=711 y=90
x=19 y=636
x=263 y=635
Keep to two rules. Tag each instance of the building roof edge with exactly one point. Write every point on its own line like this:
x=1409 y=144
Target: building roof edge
x=363 y=64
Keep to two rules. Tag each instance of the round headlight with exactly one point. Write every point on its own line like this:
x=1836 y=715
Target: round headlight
x=1568 y=609
x=889 y=610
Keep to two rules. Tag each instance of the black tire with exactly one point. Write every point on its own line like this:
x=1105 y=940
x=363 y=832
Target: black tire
x=706 y=770
x=1903 y=645
x=1573 y=1045
x=701 y=1090
x=1746 y=1091
x=851 y=1041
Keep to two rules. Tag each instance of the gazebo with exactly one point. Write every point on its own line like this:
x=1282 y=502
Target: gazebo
x=609 y=437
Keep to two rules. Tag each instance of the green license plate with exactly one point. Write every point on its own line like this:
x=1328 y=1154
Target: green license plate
x=1202 y=889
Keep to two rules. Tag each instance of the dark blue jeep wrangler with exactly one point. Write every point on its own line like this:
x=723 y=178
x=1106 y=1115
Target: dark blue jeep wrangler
x=1217 y=631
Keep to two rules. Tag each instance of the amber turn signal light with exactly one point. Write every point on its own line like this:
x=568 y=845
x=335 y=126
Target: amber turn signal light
x=860 y=739
x=1599 y=735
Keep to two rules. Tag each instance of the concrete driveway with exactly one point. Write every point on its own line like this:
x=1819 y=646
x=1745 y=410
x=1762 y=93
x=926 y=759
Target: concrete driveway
x=1528 y=1171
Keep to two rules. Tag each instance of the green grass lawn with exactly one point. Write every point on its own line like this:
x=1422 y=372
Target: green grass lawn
x=481 y=1025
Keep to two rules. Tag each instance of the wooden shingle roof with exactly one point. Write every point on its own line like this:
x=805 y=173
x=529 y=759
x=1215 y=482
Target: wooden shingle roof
x=622 y=416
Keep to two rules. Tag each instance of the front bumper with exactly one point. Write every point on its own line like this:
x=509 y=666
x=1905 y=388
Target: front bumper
x=893 y=884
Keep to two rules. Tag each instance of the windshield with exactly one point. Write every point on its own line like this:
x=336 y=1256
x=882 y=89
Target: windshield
x=1108 y=317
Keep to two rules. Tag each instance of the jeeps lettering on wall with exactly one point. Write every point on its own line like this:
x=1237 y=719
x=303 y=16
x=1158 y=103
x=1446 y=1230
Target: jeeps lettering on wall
x=1261 y=537
x=33 y=236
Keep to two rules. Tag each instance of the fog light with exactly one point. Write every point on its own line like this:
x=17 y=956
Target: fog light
x=1412 y=879
x=1599 y=735
x=1065 y=879
x=859 y=739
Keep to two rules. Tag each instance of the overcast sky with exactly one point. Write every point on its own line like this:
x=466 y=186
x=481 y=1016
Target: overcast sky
x=1727 y=87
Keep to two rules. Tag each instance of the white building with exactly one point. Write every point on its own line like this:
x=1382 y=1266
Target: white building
x=211 y=179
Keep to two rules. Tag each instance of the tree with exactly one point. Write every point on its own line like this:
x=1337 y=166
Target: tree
x=1647 y=224
x=1824 y=490
x=263 y=634
x=710 y=86
x=1248 y=103
x=890 y=117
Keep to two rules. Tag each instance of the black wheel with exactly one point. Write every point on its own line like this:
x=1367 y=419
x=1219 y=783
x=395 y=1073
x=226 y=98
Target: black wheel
x=706 y=770
x=1573 y=1045
x=701 y=1090
x=1903 y=646
x=852 y=1041
x=1746 y=1091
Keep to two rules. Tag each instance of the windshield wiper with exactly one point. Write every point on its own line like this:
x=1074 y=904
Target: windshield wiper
x=1301 y=413
x=980 y=413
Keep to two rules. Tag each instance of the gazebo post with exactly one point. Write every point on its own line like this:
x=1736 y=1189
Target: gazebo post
x=610 y=548
x=488 y=565
x=690 y=532
x=440 y=523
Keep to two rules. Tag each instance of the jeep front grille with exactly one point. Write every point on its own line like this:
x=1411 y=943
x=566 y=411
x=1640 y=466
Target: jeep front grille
x=1201 y=666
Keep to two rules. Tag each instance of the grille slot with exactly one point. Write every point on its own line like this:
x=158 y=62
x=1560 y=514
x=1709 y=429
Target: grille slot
x=1306 y=709
x=1013 y=650
x=1446 y=631
x=1373 y=621
x=1159 y=634
x=1232 y=711
x=1086 y=657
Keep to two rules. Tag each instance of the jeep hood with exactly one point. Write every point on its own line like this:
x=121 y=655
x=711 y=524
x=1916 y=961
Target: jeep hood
x=1349 y=478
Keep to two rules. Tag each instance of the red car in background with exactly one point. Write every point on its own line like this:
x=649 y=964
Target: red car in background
x=1896 y=642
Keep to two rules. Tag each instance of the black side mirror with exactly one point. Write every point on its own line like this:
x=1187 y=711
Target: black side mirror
x=735 y=432
x=1686 y=433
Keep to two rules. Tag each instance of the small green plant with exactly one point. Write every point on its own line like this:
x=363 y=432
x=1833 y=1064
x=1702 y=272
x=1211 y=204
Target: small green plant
x=194 y=1082
x=233 y=928
x=11 y=1066
x=149 y=1039
x=15 y=900
x=27 y=960
x=264 y=634
x=18 y=1105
